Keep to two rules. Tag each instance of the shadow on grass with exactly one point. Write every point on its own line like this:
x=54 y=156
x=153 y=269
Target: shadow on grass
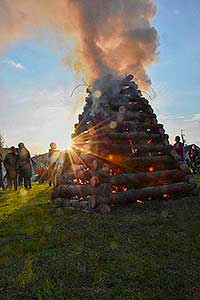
x=148 y=251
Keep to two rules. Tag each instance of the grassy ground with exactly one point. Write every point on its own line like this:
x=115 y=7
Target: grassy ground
x=140 y=252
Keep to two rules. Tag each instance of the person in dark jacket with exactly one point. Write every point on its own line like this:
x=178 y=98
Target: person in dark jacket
x=11 y=166
x=2 y=185
x=25 y=165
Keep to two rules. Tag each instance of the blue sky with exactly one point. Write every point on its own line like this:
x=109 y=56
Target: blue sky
x=36 y=84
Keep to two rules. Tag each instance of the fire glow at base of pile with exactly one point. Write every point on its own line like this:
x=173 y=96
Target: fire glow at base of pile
x=120 y=153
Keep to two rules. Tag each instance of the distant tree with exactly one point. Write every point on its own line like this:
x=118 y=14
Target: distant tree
x=2 y=141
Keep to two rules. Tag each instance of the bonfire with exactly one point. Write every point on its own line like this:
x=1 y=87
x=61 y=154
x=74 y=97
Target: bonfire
x=120 y=153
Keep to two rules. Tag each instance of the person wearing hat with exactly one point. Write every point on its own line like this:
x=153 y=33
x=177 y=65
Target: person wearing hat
x=11 y=166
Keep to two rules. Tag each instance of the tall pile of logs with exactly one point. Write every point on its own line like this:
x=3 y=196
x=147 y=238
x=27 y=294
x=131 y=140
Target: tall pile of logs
x=122 y=153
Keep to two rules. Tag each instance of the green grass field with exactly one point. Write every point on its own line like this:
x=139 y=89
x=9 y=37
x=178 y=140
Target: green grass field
x=145 y=251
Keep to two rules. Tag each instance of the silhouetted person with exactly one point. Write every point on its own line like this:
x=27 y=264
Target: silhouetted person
x=53 y=156
x=179 y=148
x=11 y=166
x=25 y=165
x=1 y=173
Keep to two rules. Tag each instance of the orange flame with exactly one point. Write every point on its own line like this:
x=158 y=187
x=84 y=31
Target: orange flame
x=151 y=169
x=149 y=141
x=166 y=196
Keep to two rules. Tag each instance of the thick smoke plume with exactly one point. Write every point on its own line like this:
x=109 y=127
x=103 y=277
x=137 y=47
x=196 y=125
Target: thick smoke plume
x=112 y=36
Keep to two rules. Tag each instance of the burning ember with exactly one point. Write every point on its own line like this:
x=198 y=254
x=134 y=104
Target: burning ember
x=140 y=201
x=151 y=169
x=166 y=196
x=119 y=188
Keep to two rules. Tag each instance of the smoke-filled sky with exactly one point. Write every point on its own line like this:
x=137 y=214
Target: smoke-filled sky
x=47 y=49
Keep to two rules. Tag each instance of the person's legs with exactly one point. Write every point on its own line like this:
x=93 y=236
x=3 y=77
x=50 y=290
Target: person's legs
x=54 y=173
x=2 y=185
x=9 y=179
x=20 y=180
x=25 y=182
x=29 y=182
x=15 y=183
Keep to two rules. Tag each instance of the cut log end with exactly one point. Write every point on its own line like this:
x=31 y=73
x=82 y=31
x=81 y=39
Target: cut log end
x=104 y=209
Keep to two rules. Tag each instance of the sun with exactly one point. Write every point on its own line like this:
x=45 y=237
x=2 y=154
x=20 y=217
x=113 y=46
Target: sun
x=68 y=143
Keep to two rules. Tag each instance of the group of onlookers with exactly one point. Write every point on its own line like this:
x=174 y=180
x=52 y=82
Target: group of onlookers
x=18 y=166
x=189 y=156
x=57 y=162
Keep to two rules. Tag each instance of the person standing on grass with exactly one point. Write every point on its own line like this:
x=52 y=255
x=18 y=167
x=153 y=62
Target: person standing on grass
x=1 y=173
x=11 y=166
x=53 y=157
x=25 y=165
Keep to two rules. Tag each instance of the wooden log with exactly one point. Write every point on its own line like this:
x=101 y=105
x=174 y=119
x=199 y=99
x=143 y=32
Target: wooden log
x=149 y=159
x=68 y=191
x=134 y=107
x=118 y=138
x=92 y=202
x=141 y=116
x=122 y=135
x=159 y=177
x=148 y=125
x=134 y=163
x=128 y=147
x=153 y=192
x=103 y=190
x=64 y=179
x=66 y=203
x=128 y=116
x=103 y=209
x=58 y=202
x=145 y=148
x=140 y=100
x=142 y=163
x=84 y=204
x=133 y=135
x=75 y=203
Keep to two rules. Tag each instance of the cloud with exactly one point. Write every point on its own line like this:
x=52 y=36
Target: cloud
x=190 y=124
x=14 y=64
x=196 y=117
x=110 y=35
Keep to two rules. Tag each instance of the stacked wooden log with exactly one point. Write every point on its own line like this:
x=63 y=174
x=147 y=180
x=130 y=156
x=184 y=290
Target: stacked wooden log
x=123 y=152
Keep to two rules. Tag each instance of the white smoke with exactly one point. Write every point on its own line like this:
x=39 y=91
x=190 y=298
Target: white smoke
x=112 y=36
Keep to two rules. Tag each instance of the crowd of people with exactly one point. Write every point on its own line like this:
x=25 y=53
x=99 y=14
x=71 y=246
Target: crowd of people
x=18 y=167
x=189 y=156
x=18 y=164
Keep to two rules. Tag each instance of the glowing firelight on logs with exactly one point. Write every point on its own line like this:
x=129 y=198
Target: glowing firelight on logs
x=151 y=169
x=119 y=152
x=166 y=196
